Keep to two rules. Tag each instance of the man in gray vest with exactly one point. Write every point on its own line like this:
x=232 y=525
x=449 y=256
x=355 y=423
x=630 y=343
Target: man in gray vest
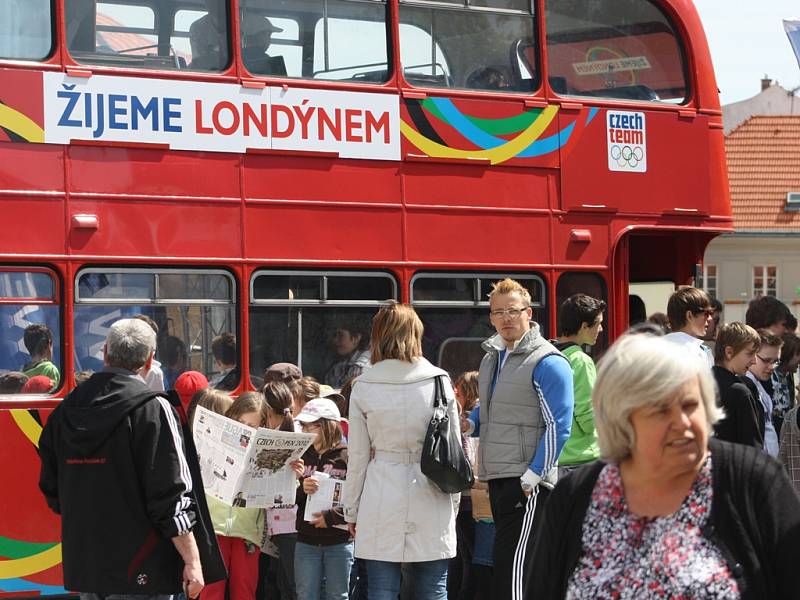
x=524 y=419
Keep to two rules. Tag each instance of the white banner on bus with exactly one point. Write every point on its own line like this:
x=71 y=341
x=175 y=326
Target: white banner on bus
x=220 y=117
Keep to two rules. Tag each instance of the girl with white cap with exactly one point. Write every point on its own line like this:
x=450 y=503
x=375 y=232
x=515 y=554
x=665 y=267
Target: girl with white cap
x=324 y=548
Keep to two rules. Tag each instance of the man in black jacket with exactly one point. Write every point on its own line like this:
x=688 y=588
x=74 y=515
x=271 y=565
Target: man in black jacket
x=115 y=469
x=734 y=352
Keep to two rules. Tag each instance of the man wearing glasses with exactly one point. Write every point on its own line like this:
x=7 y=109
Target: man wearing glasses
x=523 y=421
x=690 y=312
x=767 y=358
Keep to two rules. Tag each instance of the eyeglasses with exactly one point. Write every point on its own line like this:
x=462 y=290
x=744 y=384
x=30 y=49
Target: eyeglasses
x=774 y=363
x=514 y=313
x=708 y=312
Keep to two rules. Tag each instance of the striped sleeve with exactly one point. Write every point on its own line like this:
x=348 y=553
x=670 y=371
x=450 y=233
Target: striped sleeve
x=163 y=469
x=182 y=519
x=552 y=381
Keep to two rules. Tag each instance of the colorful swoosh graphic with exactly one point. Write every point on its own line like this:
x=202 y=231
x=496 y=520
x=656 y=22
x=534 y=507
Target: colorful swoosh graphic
x=19 y=558
x=19 y=126
x=484 y=134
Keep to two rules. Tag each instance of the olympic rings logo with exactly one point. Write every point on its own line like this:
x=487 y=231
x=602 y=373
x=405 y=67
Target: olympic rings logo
x=627 y=156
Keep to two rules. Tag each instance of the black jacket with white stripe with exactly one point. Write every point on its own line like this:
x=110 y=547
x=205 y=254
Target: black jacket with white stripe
x=115 y=469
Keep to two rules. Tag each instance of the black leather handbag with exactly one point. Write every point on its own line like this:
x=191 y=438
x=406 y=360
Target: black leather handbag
x=443 y=460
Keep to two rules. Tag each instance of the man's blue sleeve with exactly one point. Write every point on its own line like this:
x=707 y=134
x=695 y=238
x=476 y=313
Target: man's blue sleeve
x=475 y=417
x=552 y=380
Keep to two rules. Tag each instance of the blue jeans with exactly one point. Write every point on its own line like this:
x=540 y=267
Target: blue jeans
x=430 y=579
x=312 y=563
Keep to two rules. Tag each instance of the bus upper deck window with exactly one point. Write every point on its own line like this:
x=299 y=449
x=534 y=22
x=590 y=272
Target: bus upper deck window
x=483 y=45
x=159 y=35
x=337 y=40
x=30 y=332
x=26 y=30
x=612 y=49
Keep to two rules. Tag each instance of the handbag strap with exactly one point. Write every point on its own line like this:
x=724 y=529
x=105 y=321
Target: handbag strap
x=438 y=395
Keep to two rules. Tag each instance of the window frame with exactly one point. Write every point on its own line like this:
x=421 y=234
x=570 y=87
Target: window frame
x=312 y=303
x=233 y=303
x=56 y=301
x=682 y=43
x=33 y=269
x=158 y=22
x=322 y=301
x=477 y=302
x=764 y=291
x=711 y=291
x=155 y=301
x=306 y=29
x=465 y=6
x=53 y=41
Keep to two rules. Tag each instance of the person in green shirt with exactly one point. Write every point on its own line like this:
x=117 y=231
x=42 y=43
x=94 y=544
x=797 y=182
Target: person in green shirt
x=580 y=321
x=38 y=340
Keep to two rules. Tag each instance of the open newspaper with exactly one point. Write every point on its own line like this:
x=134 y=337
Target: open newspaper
x=242 y=466
x=328 y=496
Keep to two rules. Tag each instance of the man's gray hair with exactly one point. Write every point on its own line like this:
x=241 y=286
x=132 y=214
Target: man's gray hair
x=129 y=344
x=641 y=371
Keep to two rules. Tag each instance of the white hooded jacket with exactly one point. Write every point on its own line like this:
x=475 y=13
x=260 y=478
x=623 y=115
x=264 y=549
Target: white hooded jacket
x=401 y=516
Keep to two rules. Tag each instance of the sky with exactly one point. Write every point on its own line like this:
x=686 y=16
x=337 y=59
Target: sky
x=747 y=41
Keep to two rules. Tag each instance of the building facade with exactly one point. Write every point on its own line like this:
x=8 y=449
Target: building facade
x=762 y=257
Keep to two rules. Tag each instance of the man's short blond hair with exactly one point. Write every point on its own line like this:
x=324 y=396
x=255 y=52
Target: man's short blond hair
x=510 y=286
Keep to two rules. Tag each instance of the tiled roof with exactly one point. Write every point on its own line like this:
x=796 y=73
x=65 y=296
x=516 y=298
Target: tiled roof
x=763 y=166
x=118 y=41
x=123 y=42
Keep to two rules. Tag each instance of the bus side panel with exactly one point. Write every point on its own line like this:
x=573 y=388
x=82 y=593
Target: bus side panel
x=320 y=179
x=302 y=232
x=582 y=240
x=672 y=172
x=156 y=173
x=488 y=238
x=32 y=192
x=32 y=226
x=152 y=229
x=474 y=185
x=32 y=167
x=30 y=533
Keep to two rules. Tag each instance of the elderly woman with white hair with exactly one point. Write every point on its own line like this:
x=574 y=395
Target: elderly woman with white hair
x=669 y=512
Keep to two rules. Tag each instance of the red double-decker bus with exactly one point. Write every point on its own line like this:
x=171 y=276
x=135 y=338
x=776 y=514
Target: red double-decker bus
x=276 y=169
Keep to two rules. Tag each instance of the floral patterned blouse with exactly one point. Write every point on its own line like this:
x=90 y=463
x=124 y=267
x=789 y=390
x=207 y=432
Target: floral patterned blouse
x=629 y=557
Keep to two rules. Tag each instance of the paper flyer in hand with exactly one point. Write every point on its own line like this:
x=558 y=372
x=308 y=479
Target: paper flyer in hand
x=328 y=496
x=247 y=467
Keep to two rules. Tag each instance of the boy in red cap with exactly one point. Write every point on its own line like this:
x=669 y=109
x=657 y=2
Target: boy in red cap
x=187 y=384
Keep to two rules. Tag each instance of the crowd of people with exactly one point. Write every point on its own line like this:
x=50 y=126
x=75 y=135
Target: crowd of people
x=653 y=475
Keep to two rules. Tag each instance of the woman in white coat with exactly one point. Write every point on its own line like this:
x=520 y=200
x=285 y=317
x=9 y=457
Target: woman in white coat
x=395 y=512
